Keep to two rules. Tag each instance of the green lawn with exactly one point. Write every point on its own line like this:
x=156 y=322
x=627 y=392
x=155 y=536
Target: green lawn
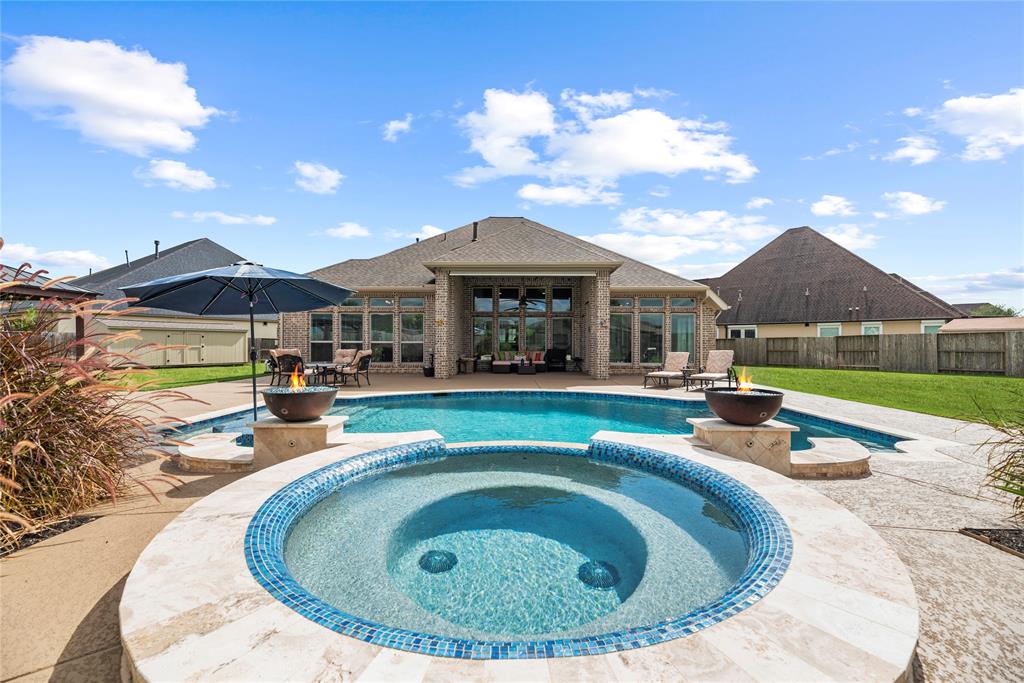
x=168 y=378
x=956 y=396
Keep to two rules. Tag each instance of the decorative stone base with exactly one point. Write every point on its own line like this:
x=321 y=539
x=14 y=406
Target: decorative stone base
x=765 y=444
x=214 y=453
x=275 y=440
x=831 y=459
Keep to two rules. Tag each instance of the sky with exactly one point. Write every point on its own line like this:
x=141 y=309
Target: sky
x=686 y=135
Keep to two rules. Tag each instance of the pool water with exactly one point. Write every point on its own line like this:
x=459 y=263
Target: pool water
x=552 y=416
x=513 y=545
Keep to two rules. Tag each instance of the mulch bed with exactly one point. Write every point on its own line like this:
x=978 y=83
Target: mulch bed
x=43 y=534
x=1010 y=540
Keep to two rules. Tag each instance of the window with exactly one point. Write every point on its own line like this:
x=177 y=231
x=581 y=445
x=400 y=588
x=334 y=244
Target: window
x=536 y=300
x=683 y=325
x=508 y=334
x=483 y=299
x=931 y=326
x=561 y=333
x=652 y=302
x=561 y=299
x=536 y=334
x=621 y=338
x=871 y=328
x=321 y=337
x=508 y=299
x=381 y=302
x=683 y=302
x=353 y=302
x=742 y=332
x=382 y=336
x=351 y=329
x=412 y=338
x=830 y=329
x=411 y=302
x=483 y=336
x=621 y=302
x=652 y=337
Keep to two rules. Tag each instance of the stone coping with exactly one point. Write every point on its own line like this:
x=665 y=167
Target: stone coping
x=717 y=424
x=844 y=610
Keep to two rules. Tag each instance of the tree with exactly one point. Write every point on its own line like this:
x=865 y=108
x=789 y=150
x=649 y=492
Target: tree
x=996 y=311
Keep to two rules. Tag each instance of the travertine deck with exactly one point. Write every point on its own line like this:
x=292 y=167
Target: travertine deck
x=845 y=609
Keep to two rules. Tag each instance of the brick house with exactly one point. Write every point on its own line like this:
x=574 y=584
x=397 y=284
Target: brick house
x=507 y=284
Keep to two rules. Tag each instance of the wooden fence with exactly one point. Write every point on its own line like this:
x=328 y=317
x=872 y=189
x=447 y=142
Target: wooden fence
x=990 y=353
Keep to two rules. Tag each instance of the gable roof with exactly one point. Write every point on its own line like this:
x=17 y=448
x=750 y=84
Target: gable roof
x=187 y=257
x=501 y=240
x=802 y=276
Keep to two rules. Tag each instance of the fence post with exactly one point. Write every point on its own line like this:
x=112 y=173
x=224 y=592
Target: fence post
x=1015 y=354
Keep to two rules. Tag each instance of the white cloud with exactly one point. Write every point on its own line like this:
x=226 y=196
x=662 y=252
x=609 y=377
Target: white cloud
x=15 y=253
x=421 y=234
x=880 y=215
x=833 y=205
x=392 y=129
x=851 y=236
x=912 y=204
x=917 y=149
x=660 y=191
x=599 y=140
x=176 y=175
x=568 y=195
x=835 y=151
x=913 y=111
x=118 y=98
x=348 y=230
x=224 y=218
x=695 y=271
x=1008 y=281
x=317 y=178
x=662 y=236
x=759 y=202
x=992 y=125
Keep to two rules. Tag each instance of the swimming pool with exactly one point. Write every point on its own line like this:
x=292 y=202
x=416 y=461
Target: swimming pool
x=517 y=551
x=560 y=416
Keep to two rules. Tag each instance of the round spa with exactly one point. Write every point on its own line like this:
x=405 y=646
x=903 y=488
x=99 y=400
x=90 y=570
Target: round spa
x=517 y=551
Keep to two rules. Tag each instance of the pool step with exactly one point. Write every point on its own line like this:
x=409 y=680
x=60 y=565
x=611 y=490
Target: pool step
x=214 y=453
x=831 y=458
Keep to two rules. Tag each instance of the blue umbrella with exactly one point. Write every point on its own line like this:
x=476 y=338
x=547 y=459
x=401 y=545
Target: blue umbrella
x=240 y=288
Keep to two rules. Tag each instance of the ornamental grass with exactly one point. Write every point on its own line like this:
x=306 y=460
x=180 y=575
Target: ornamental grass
x=70 y=427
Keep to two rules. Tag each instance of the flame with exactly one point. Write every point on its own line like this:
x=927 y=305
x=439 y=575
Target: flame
x=744 y=382
x=298 y=379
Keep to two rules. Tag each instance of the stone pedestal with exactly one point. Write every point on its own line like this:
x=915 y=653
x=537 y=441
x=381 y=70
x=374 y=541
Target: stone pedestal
x=765 y=444
x=275 y=440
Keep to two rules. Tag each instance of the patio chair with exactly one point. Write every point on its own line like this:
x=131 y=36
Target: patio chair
x=274 y=366
x=360 y=366
x=286 y=364
x=718 y=368
x=673 y=368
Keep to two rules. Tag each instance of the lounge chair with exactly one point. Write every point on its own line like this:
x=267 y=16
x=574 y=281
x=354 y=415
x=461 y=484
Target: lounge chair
x=718 y=368
x=673 y=368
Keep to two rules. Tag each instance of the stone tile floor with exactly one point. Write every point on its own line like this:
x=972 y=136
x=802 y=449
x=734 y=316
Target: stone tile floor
x=58 y=599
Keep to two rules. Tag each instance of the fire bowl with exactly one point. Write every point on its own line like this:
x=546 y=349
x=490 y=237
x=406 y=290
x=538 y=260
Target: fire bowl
x=299 y=405
x=744 y=407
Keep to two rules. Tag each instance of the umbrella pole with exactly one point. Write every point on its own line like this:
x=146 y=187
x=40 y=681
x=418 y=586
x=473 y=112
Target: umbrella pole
x=252 y=354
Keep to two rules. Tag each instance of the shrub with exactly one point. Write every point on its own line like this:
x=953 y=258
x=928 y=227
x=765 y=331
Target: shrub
x=1006 y=453
x=69 y=428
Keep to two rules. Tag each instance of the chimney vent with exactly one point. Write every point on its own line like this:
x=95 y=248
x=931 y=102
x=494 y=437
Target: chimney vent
x=417 y=239
x=126 y=261
x=474 y=230
x=156 y=248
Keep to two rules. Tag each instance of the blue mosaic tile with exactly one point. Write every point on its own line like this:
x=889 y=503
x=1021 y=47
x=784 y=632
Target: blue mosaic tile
x=767 y=535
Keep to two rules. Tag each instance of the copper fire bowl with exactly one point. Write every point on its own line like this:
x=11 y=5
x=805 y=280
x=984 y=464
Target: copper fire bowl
x=301 y=405
x=744 y=407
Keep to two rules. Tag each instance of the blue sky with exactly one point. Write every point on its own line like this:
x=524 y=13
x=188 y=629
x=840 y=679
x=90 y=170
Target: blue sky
x=686 y=135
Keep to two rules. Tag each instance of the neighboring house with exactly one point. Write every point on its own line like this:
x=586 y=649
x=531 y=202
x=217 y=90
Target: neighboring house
x=39 y=288
x=802 y=284
x=984 y=324
x=206 y=340
x=507 y=285
x=969 y=309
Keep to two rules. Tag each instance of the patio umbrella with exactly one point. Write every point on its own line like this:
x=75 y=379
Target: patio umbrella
x=240 y=288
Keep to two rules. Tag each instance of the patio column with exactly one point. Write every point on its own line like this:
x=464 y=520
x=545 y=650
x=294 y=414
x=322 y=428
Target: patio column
x=444 y=320
x=600 y=345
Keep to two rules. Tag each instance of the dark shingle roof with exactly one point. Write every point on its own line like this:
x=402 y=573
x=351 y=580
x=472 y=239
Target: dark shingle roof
x=802 y=276
x=511 y=239
x=10 y=273
x=187 y=257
